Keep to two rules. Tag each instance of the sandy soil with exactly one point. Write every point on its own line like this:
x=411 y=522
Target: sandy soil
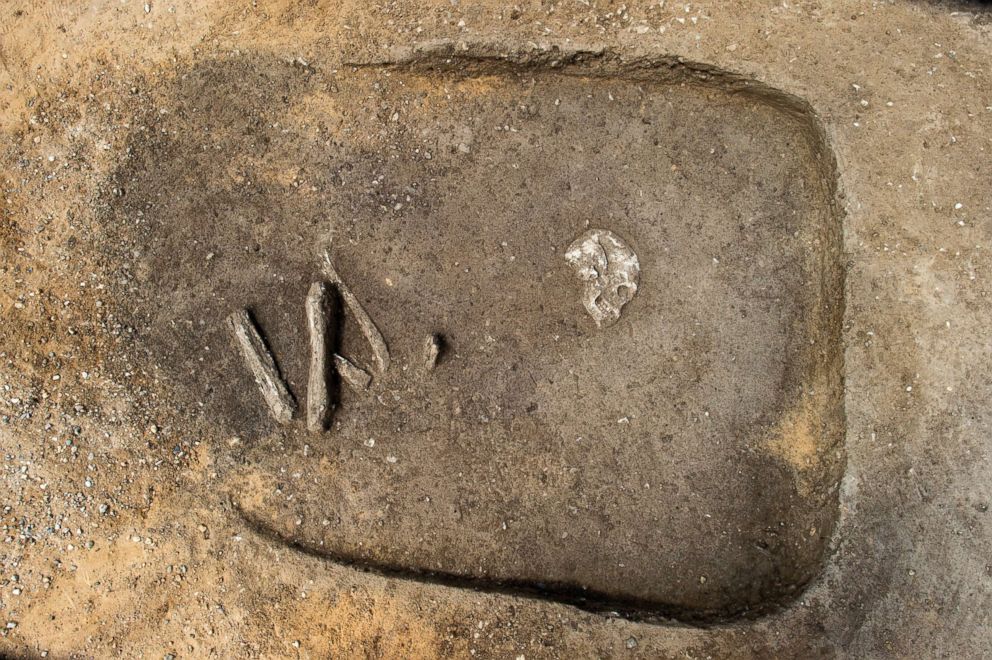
x=165 y=164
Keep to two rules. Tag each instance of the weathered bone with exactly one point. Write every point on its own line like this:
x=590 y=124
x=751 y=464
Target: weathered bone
x=319 y=308
x=610 y=270
x=380 y=352
x=432 y=350
x=357 y=377
x=263 y=367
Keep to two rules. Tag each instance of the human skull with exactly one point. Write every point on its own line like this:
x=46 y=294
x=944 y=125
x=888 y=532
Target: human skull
x=610 y=270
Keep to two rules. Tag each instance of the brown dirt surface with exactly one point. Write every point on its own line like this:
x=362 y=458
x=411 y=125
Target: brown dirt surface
x=779 y=449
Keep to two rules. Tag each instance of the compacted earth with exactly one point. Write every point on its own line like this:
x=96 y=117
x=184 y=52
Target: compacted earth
x=654 y=330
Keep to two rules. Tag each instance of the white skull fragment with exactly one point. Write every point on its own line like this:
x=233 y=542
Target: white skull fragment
x=610 y=270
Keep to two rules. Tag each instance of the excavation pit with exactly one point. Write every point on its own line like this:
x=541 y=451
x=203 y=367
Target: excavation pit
x=681 y=460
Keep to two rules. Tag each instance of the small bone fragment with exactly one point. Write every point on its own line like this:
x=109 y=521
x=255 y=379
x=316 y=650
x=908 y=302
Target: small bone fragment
x=357 y=377
x=610 y=270
x=432 y=350
x=319 y=310
x=262 y=366
x=379 y=350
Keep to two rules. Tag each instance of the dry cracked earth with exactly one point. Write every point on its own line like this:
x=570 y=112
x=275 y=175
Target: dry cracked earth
x=680 y=329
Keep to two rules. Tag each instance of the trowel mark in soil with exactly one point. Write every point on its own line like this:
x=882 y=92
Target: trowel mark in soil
x=597 y=602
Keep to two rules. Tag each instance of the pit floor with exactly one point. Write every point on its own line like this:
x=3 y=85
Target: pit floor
x=126 y=463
